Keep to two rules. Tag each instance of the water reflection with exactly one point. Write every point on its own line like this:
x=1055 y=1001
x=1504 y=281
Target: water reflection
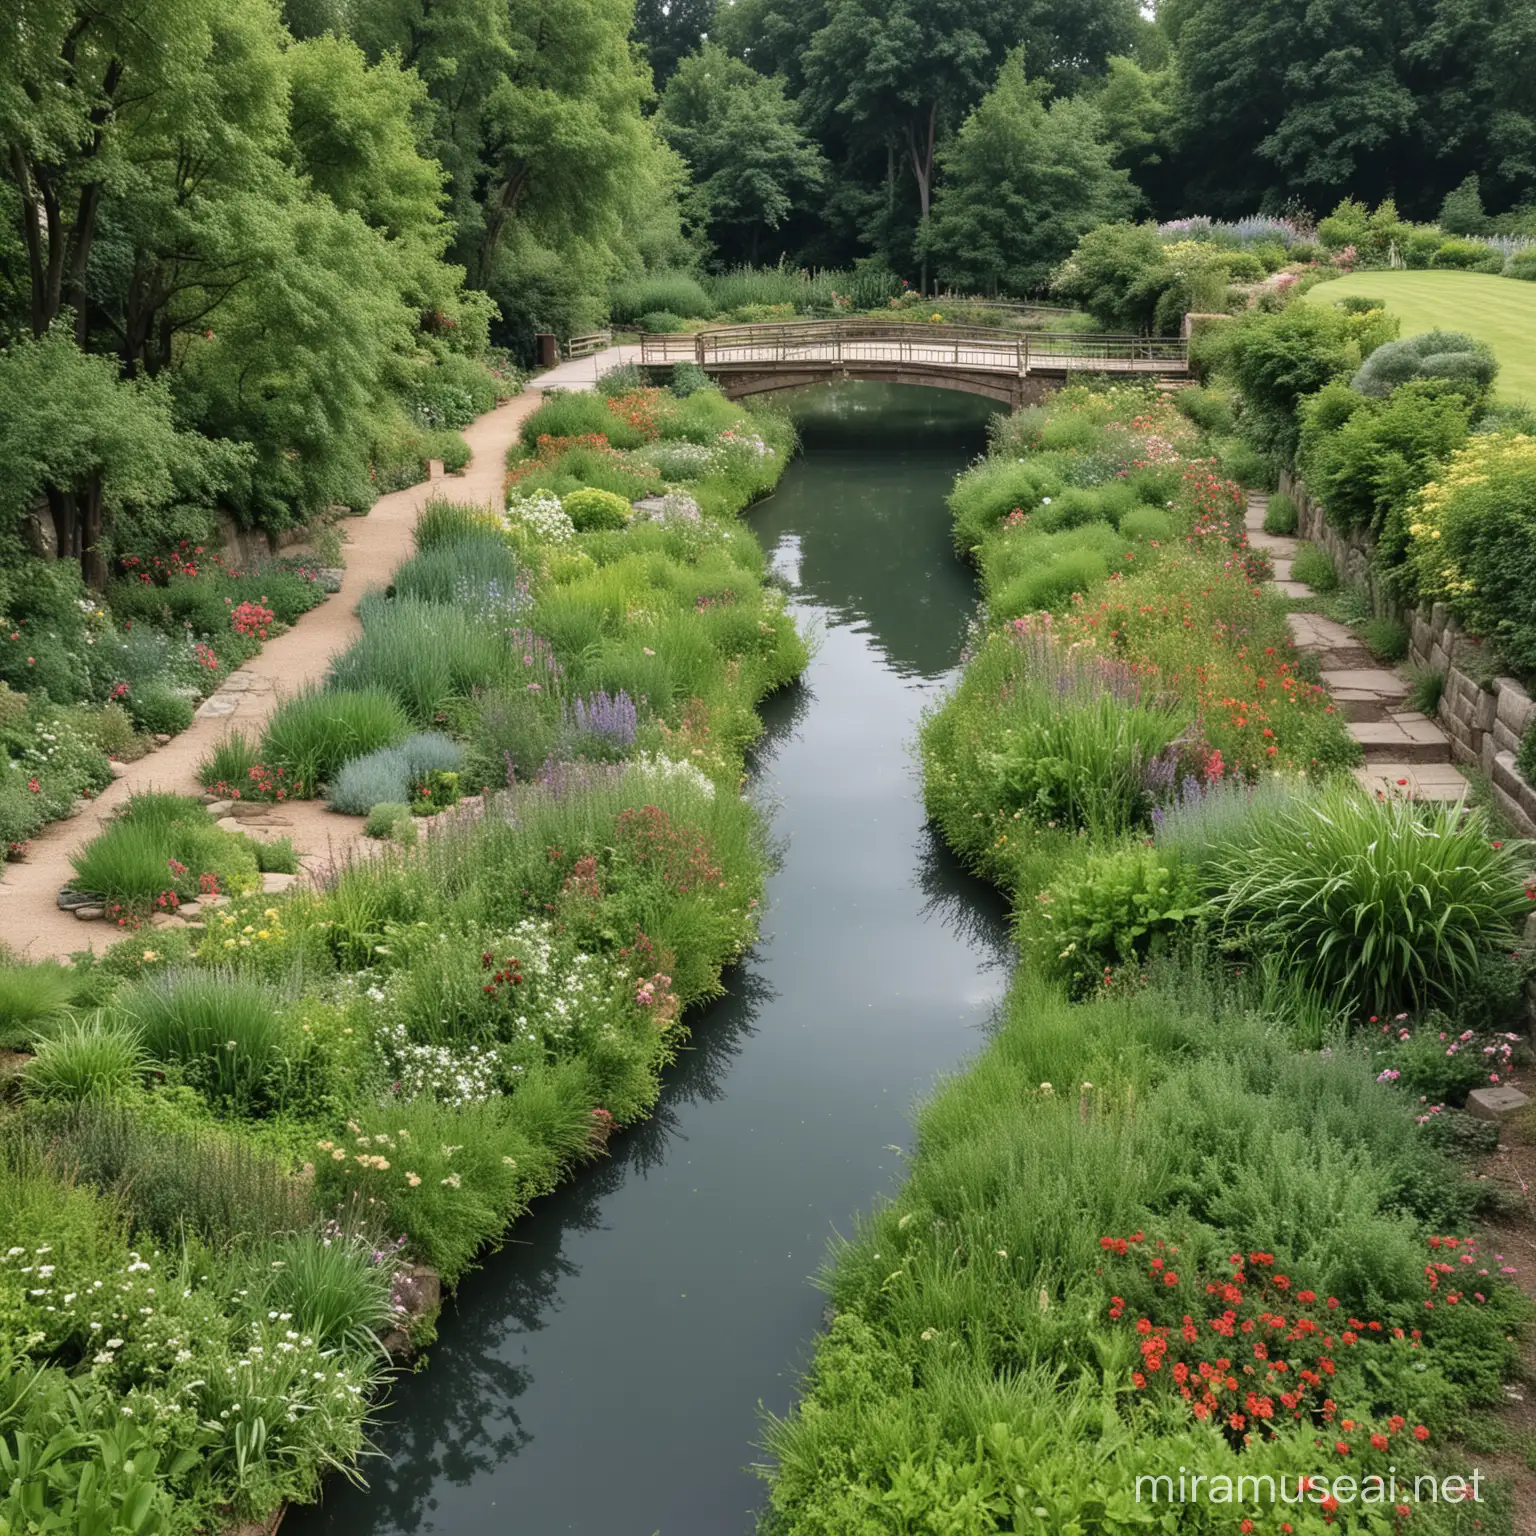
x=605 y=1372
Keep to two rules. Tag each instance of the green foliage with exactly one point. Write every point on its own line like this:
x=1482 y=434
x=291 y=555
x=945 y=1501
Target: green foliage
x=446 y=522
x=230 y=762
x=1425 y=689
x=1466 y=363
x=86 y=1059
x=1313 y=568
x=389 y=819
x=311 y=734
x=1386 y=639
x=751 y=161
x=678 y=293
x=161 y=711
x=1024 y=180
x=155 y=855
x=660 y=322
x=333 y=1288
x=1467 y=256
x=590 y=510
x=479 y=568
x=1389 y=905
x=1109 y=910
x=688 y=379
x=1280 y=517
x=1117 y=273
x=31 y=998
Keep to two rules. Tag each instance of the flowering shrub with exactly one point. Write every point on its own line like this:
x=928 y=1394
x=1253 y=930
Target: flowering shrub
x=456 y=1077
x=1439 y=1064
x=590 y=509
x=659 y=766
x=251 y=619
x=541 y=516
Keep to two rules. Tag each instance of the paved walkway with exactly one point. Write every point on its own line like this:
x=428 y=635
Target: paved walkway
x=30 y=921
x=1406 y=753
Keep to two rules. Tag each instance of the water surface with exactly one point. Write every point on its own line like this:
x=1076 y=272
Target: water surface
x=605 y=1372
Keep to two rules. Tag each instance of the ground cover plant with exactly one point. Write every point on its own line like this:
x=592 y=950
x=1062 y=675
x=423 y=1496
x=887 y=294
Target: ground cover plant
x=1201 y=1203
x=282 y=1109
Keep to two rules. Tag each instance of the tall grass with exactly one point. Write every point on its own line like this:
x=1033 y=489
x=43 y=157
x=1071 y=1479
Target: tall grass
x=1386 y=905
x=446 y=522
x=311 y=734
x=420 y=654
x=677 y=293
x=462 y=570
x=31 y=996
x=335 y=1286
x=224 y=1033
x=806 y=290
x=87 y=1059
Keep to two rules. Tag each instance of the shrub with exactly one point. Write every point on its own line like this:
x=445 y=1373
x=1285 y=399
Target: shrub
x=367 y=781
x=678 y=293
x=1050 y=584
x=311 y=734
x=92 y=1058
x=1467 y=256
x=622 y=379
x=1467 y=364
x=160 y=710
x=590 y=510
x=30 y=997
x=143 y=863
x=223 y=1033
x=1147 y=523
x=688 y=379
x=1386 y=639
x=661 y=322
x=446 y=522
x=336 y=1285
x=1424 y=690
x=1207 y=408
x=386 y=818
x=1280 y=518
x=1522 y=265
x=478 y=569
x=1472 y=543
x=1313 y=568
x=1389 y=905
x=1118 y=272
x=229 y=764
x=1108 y=910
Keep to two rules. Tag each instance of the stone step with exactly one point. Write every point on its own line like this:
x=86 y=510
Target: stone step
x=1282 y=567
x=1406 y=738
x=1416 y=781
x=1292 y=588
x=1374 y=680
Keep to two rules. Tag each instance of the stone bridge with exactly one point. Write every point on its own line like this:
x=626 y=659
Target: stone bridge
x=1012 y=367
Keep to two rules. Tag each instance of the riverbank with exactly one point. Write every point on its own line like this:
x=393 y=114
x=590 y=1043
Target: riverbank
x=307 y=1112
x=1193 y=1209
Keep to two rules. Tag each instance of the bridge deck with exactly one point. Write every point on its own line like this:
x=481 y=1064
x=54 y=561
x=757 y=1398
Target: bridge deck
x=935 y=348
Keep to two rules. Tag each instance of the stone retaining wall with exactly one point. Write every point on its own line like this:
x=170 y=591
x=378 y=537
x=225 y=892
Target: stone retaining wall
x=1485 y=716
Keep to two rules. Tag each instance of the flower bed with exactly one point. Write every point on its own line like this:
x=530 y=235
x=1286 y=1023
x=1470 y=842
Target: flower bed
x=1190 y=1212
x=247 y=1143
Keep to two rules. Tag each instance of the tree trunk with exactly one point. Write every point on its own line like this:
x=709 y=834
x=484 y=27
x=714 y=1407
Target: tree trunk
x=921 y=145
x=93 y=560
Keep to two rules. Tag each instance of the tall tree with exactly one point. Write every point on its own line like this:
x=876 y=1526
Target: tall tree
x=1024 y=180
x=671 y=29
x=737 y=132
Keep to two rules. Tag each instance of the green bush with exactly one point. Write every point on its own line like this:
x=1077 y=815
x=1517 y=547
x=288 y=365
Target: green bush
x=1385 y=905
x=1523 y=265
x=688 y=379
x=1467 y=256
x=229 y=764
x=478 y=568
x=31 y=996
x=139 y=861
x=161 y=711
x=661 y=322
x=446 y=522
x=1052 y=582
x=311 y=734
x=590 y=510
x=1109 y=910
x=86 y=1059
x=225 y=1035
x=1425 y=689
x=334 y=1288
x=1280 y=518
x=1464 y=362
x=386 y=818
x=676 y=293
x=1147 y=523
x=1314 y=569
x=275 y=855
x=1386 y=639
x=1207 y=408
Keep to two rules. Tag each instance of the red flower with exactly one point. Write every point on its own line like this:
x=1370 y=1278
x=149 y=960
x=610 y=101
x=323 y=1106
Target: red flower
x=1420 y=1433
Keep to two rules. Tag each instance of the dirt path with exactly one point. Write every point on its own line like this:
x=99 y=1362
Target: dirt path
x=31 y=923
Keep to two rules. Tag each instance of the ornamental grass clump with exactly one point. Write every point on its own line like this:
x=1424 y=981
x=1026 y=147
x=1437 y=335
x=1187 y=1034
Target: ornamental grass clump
x=1391 y=904
x=468 y=567
x=333 y=1285
x=224 y=1034
x=87 y=1059
x=311 y=734
x=30 y=997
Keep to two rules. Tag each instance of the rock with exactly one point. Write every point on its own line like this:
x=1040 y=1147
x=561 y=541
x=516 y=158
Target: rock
x=218 y=808
x=189 y=909
x=118 y=769
x=69 y=900
x=162 y=738
x=250 y=810
x=90 y=914
x=167 y=920
x=204 y=902
x=216 y=707
x=228 y=824
x=1495 y=1103
x=271 y=885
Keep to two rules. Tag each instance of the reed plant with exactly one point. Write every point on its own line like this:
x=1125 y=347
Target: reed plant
x=312 y=733
x=92 y=1058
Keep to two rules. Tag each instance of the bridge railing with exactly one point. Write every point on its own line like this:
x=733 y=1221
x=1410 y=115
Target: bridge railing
x=922 y=345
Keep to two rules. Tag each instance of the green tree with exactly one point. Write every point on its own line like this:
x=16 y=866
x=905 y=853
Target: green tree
x=737 y=132
x=671 y=29
x=91 y=444
x=1024 y=180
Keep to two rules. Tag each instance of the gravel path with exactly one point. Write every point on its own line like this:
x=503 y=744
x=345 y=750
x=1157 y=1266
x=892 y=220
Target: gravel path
x=30 y=921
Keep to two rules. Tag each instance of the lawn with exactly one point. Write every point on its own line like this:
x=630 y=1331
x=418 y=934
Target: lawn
x=1497 y=310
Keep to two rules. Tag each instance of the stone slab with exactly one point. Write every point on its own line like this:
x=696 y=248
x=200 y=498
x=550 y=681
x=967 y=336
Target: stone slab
x=1375 y=680
x=1416 y=781
x=1495 y=1103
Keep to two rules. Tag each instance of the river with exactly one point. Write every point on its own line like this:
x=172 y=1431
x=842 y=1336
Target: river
x=604 y=1373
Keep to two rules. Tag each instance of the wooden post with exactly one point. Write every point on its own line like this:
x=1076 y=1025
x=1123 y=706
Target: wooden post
x=698 y=349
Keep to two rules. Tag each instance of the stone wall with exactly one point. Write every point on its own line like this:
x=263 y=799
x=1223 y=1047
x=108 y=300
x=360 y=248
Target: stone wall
x=1485 y=716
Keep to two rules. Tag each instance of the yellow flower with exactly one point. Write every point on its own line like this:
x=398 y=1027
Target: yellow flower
x=413 y=1179
x=150 y=956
